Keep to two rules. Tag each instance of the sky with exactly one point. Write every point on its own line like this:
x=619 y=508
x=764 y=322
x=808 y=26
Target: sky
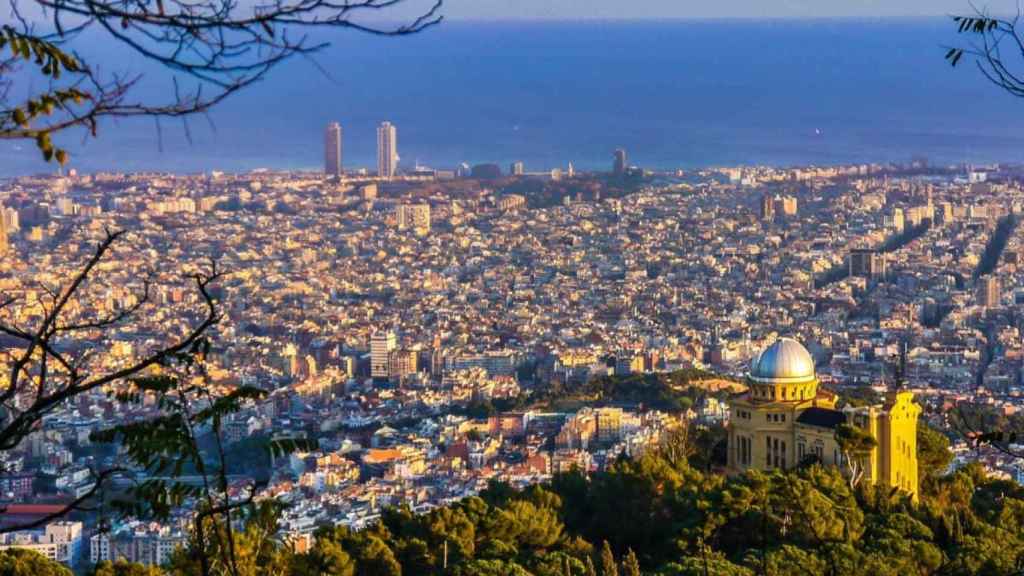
x=651 y=9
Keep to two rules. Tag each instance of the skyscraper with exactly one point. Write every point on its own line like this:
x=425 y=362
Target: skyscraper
x=332 y=149
x=619 y=168
x=387 y=150
x=3 y=231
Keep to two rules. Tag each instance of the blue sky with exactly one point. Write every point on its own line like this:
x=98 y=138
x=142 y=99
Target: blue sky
x=615 y=9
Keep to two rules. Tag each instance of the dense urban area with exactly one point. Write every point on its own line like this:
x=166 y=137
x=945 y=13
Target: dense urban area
x=441 y=333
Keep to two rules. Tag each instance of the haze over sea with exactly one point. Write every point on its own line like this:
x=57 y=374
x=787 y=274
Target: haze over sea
x=680 y=94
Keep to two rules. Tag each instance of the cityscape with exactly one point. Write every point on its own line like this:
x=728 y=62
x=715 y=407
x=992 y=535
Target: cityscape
x=437 y=331
x=492 y=288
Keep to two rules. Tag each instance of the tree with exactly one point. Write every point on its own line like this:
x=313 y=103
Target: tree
x=933 y=453
x=210 y=48
x=630 y=565
x=856 y=445
x=995 y=45
x=125 y=568
x=21 y=562
x=43 y=374
x=608 y=565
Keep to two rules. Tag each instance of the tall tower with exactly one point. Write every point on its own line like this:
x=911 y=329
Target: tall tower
x=619 y=168
x=387 y=150
x=332 y=149
x=3 y=231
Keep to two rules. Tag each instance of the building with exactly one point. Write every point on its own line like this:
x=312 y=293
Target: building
x=59 y=541
x=381 y=346
x=413 y=216
x=4 y=242
x=403 y=363
x=332 y=150
x=989 y=292
x=609 y=425
x=867 y=264
x=387 y=150
x=767 y=208
x=517 y=169
x=783 y=419
x=495 y=362
x=619 y=166
x=786 y=205
x=149 y=544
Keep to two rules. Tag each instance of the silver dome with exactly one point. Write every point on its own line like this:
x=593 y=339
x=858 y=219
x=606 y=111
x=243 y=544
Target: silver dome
x=786 y=361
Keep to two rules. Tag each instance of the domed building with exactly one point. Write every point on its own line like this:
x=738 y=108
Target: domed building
x=784 y=419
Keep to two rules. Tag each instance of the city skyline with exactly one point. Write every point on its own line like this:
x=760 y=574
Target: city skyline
x=664 y=288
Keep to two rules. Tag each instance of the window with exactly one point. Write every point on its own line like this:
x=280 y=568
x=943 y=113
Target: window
x=800 y=451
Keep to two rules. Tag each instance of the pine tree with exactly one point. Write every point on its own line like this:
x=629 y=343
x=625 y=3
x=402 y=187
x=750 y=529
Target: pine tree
x=630 y=565
x=608 y=565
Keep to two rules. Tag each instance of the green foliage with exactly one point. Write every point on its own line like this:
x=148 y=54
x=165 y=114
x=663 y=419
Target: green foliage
x=21 y=562
x=125 y=568
x=630 y=565
x=51 y=61
x=671 y=391
x=652 y=516
x=933 y=454
x=609 y=567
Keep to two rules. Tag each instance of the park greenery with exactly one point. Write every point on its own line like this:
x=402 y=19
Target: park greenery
x=653 y=514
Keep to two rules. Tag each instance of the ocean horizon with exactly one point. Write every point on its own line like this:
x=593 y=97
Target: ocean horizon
x=677 y=94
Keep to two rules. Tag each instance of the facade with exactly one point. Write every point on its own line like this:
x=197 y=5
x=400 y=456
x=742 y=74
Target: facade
x=332 y=149
x=381 y=346
x=866 y=263
x=989 y=292
x=58 y=541
x=151 y=545
x=387 y=150
x=414 y=216
x=783 y=419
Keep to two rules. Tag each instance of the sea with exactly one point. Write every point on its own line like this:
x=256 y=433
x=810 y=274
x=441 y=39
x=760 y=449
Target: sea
x=674 y=94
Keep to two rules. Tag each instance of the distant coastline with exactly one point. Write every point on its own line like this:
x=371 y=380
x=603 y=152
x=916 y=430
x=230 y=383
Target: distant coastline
x=681 y=94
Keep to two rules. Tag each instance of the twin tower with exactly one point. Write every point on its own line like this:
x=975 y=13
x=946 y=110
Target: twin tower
x=387 y=150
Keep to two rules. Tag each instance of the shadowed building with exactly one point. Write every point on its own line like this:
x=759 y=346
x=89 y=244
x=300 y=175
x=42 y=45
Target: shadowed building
x=784 y=419
x=619 y=166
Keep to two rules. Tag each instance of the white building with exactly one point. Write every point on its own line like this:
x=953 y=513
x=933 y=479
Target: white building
x=414 y=216
x=150 y=544
x=381 y=346
x=59 y=541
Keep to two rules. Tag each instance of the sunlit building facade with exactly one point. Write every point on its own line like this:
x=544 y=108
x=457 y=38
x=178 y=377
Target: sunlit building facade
x=784 y=419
